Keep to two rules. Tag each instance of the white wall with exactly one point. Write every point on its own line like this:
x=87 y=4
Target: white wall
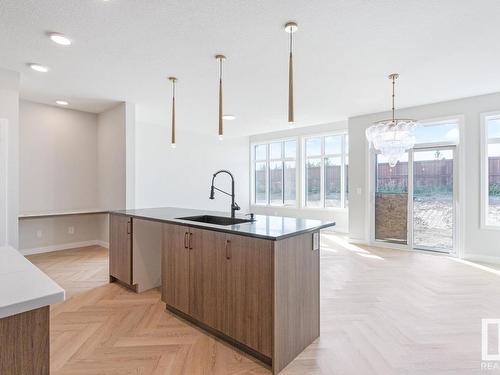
x=58 y=172
x=340 y=216
x=55 y=234
x=72 y=160
x=478 y=242
x=58 y=158
x=4 y=135
x=9 y=111
x=182 y=176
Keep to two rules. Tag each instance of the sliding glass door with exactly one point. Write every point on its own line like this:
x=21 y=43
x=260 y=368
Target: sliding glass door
x=414 y=202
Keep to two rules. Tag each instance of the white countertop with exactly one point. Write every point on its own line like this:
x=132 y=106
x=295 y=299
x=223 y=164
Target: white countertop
x=42 y=214
x=23 y=286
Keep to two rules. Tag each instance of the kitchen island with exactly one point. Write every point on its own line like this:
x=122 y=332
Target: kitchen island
x=254 y=284
x=26 y=294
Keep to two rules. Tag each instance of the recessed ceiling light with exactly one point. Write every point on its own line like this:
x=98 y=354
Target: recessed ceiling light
x=38 y=67
x=229 y=117
x=59 y=39
x=61 y=102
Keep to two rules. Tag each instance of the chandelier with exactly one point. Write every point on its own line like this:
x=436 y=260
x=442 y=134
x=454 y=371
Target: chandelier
x=392 y=137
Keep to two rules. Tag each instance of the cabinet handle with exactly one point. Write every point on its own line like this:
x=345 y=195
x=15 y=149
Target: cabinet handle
x=190 y=242
x=185 y=240
x=129 y=224
x=228 y=249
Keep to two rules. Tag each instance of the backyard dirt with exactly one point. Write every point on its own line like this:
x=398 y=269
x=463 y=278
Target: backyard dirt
x=433 y=225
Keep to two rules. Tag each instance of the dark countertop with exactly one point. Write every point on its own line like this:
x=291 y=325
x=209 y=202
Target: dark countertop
x=266 y=227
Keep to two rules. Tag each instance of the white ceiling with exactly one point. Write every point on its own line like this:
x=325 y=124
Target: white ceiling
x=124 y=49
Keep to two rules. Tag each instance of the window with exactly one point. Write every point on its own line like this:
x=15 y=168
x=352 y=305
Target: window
x=275 y=172
x=326 y=167
x=491 y=170
x=445 y=132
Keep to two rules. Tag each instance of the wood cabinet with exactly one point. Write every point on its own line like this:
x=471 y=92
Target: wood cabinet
x=206 y=282
x=260 y=295
x=120 y=248
x=223 y=281
x=248 y=293
x=175 y=266
x=25 y=343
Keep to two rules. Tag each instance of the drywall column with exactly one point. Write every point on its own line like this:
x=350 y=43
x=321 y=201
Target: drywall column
x=115 y=160
x=9 y=113
x=116 y=157
x=130 y=155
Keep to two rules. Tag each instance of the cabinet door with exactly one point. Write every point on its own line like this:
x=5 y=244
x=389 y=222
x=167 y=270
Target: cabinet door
x=206 y=278
x=175 y=267
x=120 y=248
x=248 y=292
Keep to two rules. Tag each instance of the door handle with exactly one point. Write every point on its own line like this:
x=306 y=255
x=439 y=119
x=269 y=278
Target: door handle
x=228 y=249
x=185 y=240
x=190 y=242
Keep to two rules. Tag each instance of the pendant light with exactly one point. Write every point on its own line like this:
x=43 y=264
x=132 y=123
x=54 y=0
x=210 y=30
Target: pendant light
x=394 y=136
x=221 y=58
x=290 y=28
x=173 y=80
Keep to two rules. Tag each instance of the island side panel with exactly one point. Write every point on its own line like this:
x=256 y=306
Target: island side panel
x=24 y=343
x=296 y=297
x=146 y=257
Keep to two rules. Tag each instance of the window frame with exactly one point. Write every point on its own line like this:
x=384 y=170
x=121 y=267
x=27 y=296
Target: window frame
x=343 y=156
x=485 y=142
x=268 y=161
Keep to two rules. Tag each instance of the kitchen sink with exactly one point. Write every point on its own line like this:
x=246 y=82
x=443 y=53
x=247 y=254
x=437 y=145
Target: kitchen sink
x=218 y=220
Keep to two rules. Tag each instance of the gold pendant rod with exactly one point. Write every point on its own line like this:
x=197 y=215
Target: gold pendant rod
x=221 y=121
x=290 y=27
x=290 y=88
x=221 y=103
x=173 y=79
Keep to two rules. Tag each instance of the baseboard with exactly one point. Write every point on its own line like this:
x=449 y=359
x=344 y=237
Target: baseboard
x=102 y=244
x=482 y=258
x=334 y=230
x=66 y=246
x=7 y=247
x=356 y=241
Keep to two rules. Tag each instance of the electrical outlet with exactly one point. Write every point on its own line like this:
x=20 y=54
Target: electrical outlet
x=39 y=233
x=71 y=230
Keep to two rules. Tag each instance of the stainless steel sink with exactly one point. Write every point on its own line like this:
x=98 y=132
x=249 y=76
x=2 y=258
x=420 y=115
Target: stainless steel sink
x=218 y=220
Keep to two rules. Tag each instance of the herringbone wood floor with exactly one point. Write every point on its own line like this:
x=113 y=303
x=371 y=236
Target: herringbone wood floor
x=75 y=270
x=383 y=312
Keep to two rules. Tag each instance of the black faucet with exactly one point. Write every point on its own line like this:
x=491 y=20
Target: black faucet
x=234 y=205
